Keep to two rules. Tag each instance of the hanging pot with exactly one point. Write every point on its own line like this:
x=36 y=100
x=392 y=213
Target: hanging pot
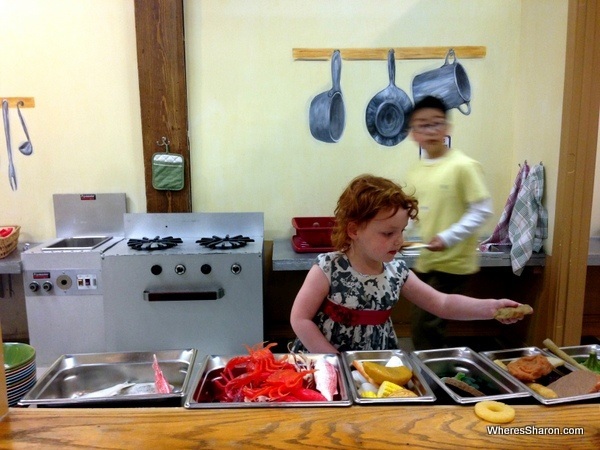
x=388 y=111
x=449 y=83
x=327 y=115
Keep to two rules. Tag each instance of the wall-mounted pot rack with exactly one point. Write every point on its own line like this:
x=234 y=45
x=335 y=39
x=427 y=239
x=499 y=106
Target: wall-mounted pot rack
x=28 y=102
x=357 y=54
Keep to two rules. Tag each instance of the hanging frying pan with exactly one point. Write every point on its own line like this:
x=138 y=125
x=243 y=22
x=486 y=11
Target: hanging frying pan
x=327 y=115
x=387 y=113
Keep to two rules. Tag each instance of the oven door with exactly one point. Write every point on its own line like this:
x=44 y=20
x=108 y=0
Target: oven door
x=162 y=302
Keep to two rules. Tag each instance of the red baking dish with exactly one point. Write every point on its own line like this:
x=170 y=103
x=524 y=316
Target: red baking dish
x=315 y=231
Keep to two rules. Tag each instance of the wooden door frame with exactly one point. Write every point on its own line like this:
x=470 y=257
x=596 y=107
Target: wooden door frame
x=163 y=94
x=560 y=306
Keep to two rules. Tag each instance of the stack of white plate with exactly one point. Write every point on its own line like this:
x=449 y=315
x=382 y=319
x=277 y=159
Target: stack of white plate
x=19 y=365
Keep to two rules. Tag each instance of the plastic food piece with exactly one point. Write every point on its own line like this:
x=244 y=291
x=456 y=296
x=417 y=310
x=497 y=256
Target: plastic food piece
x=161 y=383
x=542 y=390
x=578 y=382
x=511 y=313
x=460 y=376
x=379 y=373
x=358 y=378
x=326 y=379
x=463 y=386
x=556 y=362
x=388 y=389
x=530 y=368
x=499 y=363
x=360 y=368
x=108 y=392
x=368 y=394
x=367 y=387
x=592 y=362
x=394 y=362
x=495 y=412
x=561 y=354
x=402 y=393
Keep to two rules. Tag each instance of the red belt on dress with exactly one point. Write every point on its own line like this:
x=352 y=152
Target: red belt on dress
x=352 y=317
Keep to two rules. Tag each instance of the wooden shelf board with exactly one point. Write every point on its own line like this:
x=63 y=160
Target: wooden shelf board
x=356 y=54
x=28 y=102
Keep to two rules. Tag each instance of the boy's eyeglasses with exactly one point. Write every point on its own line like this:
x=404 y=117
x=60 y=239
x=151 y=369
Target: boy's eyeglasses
x=438 y=126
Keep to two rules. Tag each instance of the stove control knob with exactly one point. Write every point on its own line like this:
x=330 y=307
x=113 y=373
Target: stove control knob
x=156 y=269
x=205 y=269
x=179 y=269
x=47 y=286
x=236 y=268
x=34 y=286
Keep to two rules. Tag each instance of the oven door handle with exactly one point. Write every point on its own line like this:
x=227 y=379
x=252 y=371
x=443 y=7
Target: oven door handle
x=213 y=293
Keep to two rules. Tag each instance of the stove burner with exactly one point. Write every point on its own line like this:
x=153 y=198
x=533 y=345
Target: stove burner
x=157 y=243
x=227 y=242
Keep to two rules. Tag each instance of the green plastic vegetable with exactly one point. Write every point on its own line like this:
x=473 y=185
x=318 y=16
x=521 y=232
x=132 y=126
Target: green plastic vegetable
x=592 y=362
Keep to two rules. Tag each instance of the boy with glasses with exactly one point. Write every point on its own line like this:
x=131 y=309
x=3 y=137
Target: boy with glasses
x=453 y=204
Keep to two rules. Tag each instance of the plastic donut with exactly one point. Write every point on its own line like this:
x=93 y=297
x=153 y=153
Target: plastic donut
x=495 y=412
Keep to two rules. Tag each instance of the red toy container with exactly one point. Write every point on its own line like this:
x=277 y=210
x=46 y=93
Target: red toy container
x=316 y=231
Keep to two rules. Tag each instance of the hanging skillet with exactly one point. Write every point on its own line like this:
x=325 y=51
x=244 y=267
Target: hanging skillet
x=388 y=111
x=327 y=115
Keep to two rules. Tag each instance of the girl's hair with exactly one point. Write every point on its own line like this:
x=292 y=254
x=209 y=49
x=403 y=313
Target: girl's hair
x=362 y=200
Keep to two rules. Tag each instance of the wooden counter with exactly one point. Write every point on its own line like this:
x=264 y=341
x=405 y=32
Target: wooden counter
x=369 y=427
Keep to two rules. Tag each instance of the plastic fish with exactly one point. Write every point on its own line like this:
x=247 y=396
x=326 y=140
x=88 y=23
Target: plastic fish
x=108 y=392
x=326 y=378
x=161 y=383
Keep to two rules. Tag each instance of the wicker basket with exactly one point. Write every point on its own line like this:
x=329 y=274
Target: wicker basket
x=9 y=243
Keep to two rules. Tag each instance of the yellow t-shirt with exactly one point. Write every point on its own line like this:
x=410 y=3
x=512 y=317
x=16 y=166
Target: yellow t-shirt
x=445 y=187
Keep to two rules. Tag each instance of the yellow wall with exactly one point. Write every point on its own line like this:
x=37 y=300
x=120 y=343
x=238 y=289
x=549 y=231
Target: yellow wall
x=249 y=101
x=77 y=58
x=538 y=107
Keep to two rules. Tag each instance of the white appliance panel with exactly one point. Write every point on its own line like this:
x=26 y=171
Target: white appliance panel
x=61 y=325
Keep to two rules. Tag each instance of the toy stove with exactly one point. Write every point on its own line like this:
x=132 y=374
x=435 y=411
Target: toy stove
x=185 y=280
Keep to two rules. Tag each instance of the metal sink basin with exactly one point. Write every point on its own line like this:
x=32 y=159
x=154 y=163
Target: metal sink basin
x=84 y=243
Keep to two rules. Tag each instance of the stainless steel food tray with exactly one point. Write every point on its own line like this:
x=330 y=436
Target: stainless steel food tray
x=71 y=375
x=450 y=361
x=506 y=356
x=417 y=384
x=200 y=395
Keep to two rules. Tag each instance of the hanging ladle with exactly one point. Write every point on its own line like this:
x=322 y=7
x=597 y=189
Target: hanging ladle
x=26 y=147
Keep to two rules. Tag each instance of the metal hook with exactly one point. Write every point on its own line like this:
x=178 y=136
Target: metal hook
x=164 y=142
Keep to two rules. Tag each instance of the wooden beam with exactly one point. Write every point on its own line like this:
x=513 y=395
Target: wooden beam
x=357 y=54
x=564 y=290
x=27 y=102
x=163 y=94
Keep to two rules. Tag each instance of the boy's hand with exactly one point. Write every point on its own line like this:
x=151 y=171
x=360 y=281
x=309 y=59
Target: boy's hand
x=436 y=244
